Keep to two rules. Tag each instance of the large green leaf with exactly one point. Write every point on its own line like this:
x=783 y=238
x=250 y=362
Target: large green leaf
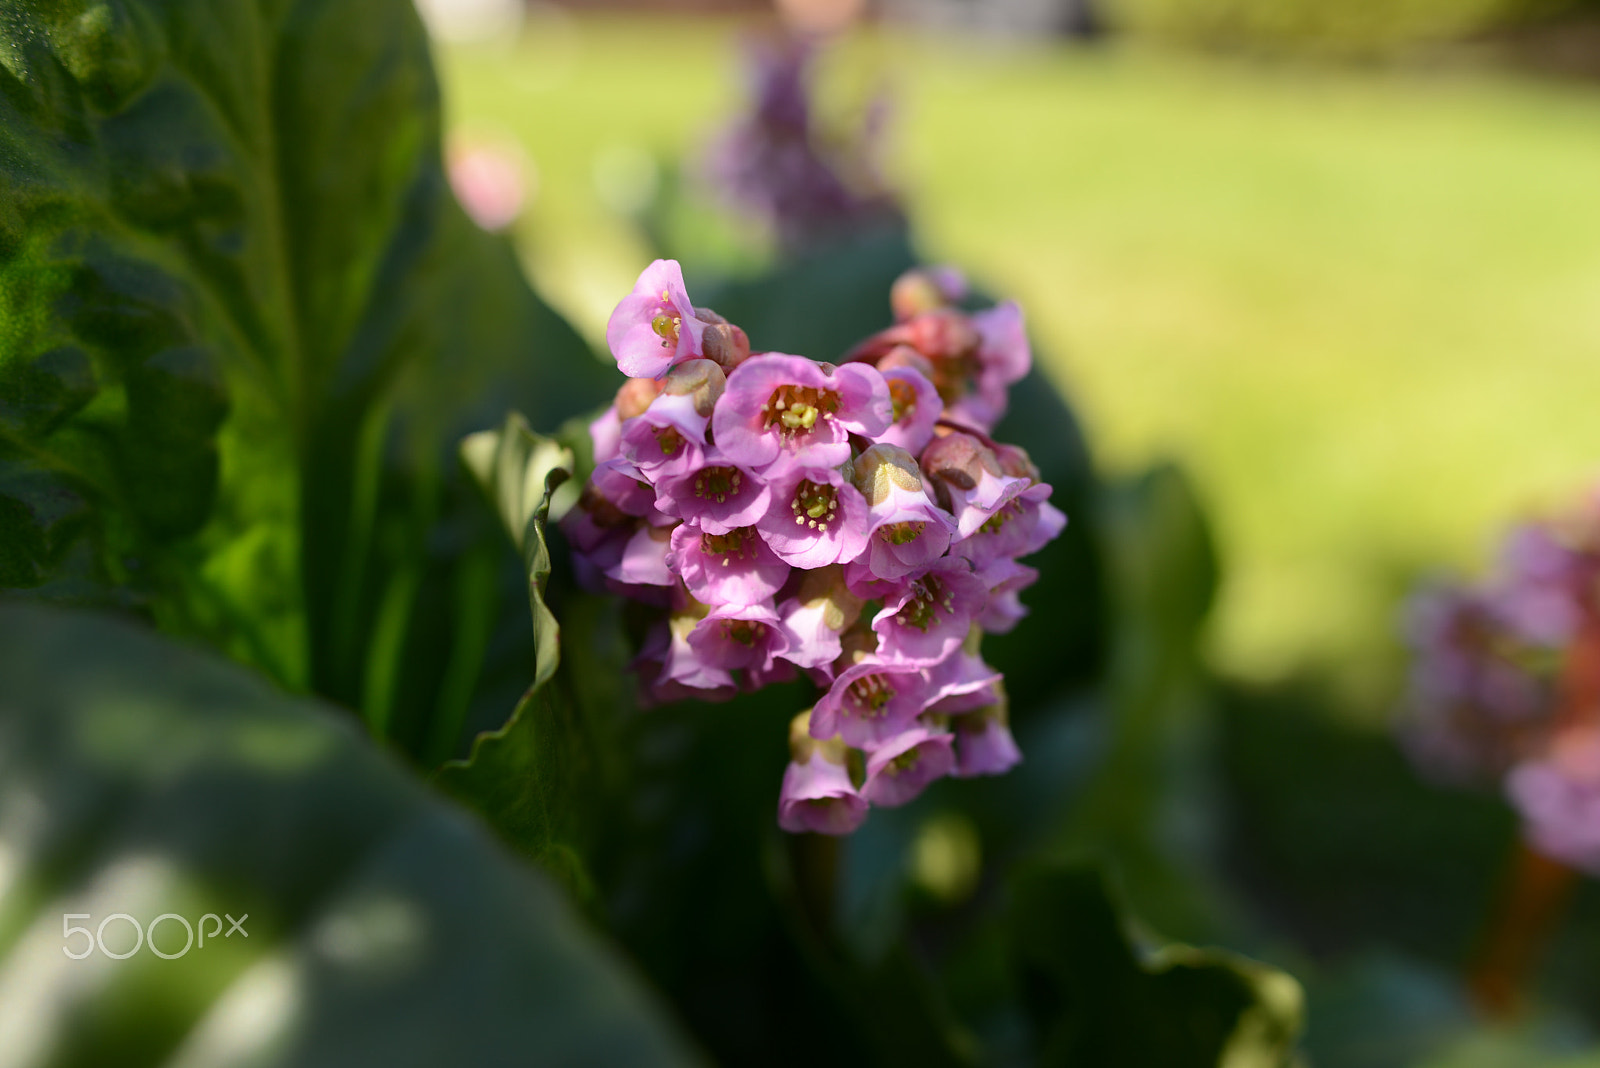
x=384 y=927
x=242 y=326
x=1094 y=1000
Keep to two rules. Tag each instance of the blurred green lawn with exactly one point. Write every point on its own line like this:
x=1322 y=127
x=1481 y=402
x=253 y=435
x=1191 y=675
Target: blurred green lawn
x=1362 y=307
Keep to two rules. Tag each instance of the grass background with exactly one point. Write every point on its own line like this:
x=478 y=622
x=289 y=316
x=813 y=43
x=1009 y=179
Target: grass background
x=1362 y=306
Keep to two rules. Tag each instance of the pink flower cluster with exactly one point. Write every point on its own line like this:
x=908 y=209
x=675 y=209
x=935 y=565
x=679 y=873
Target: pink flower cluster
x=1505 y=683
x=854 y=523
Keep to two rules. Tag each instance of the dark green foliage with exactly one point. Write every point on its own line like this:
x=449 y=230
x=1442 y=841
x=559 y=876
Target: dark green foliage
x=383 y=927
x=1094 y=1001
x=242 y=326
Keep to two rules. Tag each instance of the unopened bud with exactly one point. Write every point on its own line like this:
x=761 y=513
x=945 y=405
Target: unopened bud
x=959 y=459
x=635 y=396
x=925 y=289
x=725 y=343
x=701 y=380
x=1015 y=462
x=943 y=334
x=906 y=356
x=882 y=469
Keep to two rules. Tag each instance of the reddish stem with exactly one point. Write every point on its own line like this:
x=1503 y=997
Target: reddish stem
x=1537 y=888
x=1530 y=907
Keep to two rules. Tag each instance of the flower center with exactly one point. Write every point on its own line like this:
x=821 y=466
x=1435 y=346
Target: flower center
x=665 y=323
x=903 y=397
x=744 y=631
x=795 y=410
x=901 y=533
x=727 y=546
x=667 y=439
x=928 y=595
x=717 y=483
x=903 y=763
x=1002 y=515
x=813 y=505
x=869 y=694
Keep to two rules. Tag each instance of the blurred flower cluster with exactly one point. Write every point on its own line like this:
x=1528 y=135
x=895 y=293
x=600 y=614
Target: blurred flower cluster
x=1505 y=684
x=776 y=163
x=854 y=522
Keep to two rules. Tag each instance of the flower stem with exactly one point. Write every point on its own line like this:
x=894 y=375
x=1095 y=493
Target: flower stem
x=1531 y=904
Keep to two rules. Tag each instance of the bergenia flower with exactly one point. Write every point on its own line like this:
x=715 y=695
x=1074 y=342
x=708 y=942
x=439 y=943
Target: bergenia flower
x=669 y=436
x=1533 y=591
x=962 y=682
x=815 y=517
x=1004 y=357
x=1006 y=580
x=907 y=531
x=714 y=495
x=735 y=567
x=1021 y=526
x=817 y=793
x=903 y=766
x=606 y=431
x=806 y=184
x=757 y=504
x=821 y=610
x=927 y=618
x=655 y=326
x=1558 y=797
x=673 y=669
x=740 y=637
x=915 y=408
x=644 y=559
x=924 y=289
x=1480 y=700
x=787 y=409
x=984 y=745
x=1505 y=683
x=870 y=701
x=967 y=480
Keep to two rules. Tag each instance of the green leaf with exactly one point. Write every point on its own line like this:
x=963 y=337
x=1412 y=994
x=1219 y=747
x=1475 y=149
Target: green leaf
x=1094 y=1001
x=383 y=926
x=1152 y=804
x=242 y=327
x=520 y=471
x=525 y=777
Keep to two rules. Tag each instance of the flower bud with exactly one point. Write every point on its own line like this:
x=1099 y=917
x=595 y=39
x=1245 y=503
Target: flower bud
x=959 y=460
x=944 y=334
x=635 y=396
x=700 y=380
x=1014 y=461
x=723 y=341
x=925 y=289
x=906 y=356
x=882 y=469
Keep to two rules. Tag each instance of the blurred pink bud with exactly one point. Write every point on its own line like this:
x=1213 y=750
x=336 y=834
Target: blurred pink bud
x=489 y=182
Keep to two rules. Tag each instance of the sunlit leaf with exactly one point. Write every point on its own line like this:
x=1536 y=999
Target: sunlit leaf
x=382 y=925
